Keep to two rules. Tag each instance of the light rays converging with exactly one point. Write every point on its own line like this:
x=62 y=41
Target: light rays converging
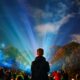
x=26 y=26
x=20 y=34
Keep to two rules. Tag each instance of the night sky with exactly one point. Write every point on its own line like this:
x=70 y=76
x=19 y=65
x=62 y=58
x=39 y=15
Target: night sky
x=30 y=24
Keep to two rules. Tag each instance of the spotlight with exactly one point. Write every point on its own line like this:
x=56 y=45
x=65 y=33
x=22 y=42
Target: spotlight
x=3 y=45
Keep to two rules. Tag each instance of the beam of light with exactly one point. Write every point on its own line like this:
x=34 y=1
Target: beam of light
x=3 y=45
x=1 y=55
x=26 y=23
x=20 y=37
x=19 y=29
x=47 y=41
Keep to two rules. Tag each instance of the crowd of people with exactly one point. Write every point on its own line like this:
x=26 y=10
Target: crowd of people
x=60 y=75
x=12 y=74
x=64 y=75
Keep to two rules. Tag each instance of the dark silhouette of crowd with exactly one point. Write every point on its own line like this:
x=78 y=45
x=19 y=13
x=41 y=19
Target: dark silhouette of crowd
x=60 y=75
x=12 y=74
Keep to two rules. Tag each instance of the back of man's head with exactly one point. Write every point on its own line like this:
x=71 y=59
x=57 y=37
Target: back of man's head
x=40 y=52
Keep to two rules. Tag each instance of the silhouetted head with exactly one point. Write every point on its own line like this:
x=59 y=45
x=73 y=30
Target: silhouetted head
x=40 y=52
x=19 y=78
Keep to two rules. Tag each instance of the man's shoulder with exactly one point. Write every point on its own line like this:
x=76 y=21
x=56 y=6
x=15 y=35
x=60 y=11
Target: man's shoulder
x=34 y=62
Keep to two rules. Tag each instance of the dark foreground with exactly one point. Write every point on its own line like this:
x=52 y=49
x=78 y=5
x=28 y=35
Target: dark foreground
x=12 y=74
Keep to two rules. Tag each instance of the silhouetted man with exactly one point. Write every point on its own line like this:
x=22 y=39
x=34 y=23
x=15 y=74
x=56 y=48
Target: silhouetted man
x=40 y=67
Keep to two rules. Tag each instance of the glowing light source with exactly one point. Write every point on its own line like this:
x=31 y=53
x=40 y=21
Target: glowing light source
x=3 y=45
